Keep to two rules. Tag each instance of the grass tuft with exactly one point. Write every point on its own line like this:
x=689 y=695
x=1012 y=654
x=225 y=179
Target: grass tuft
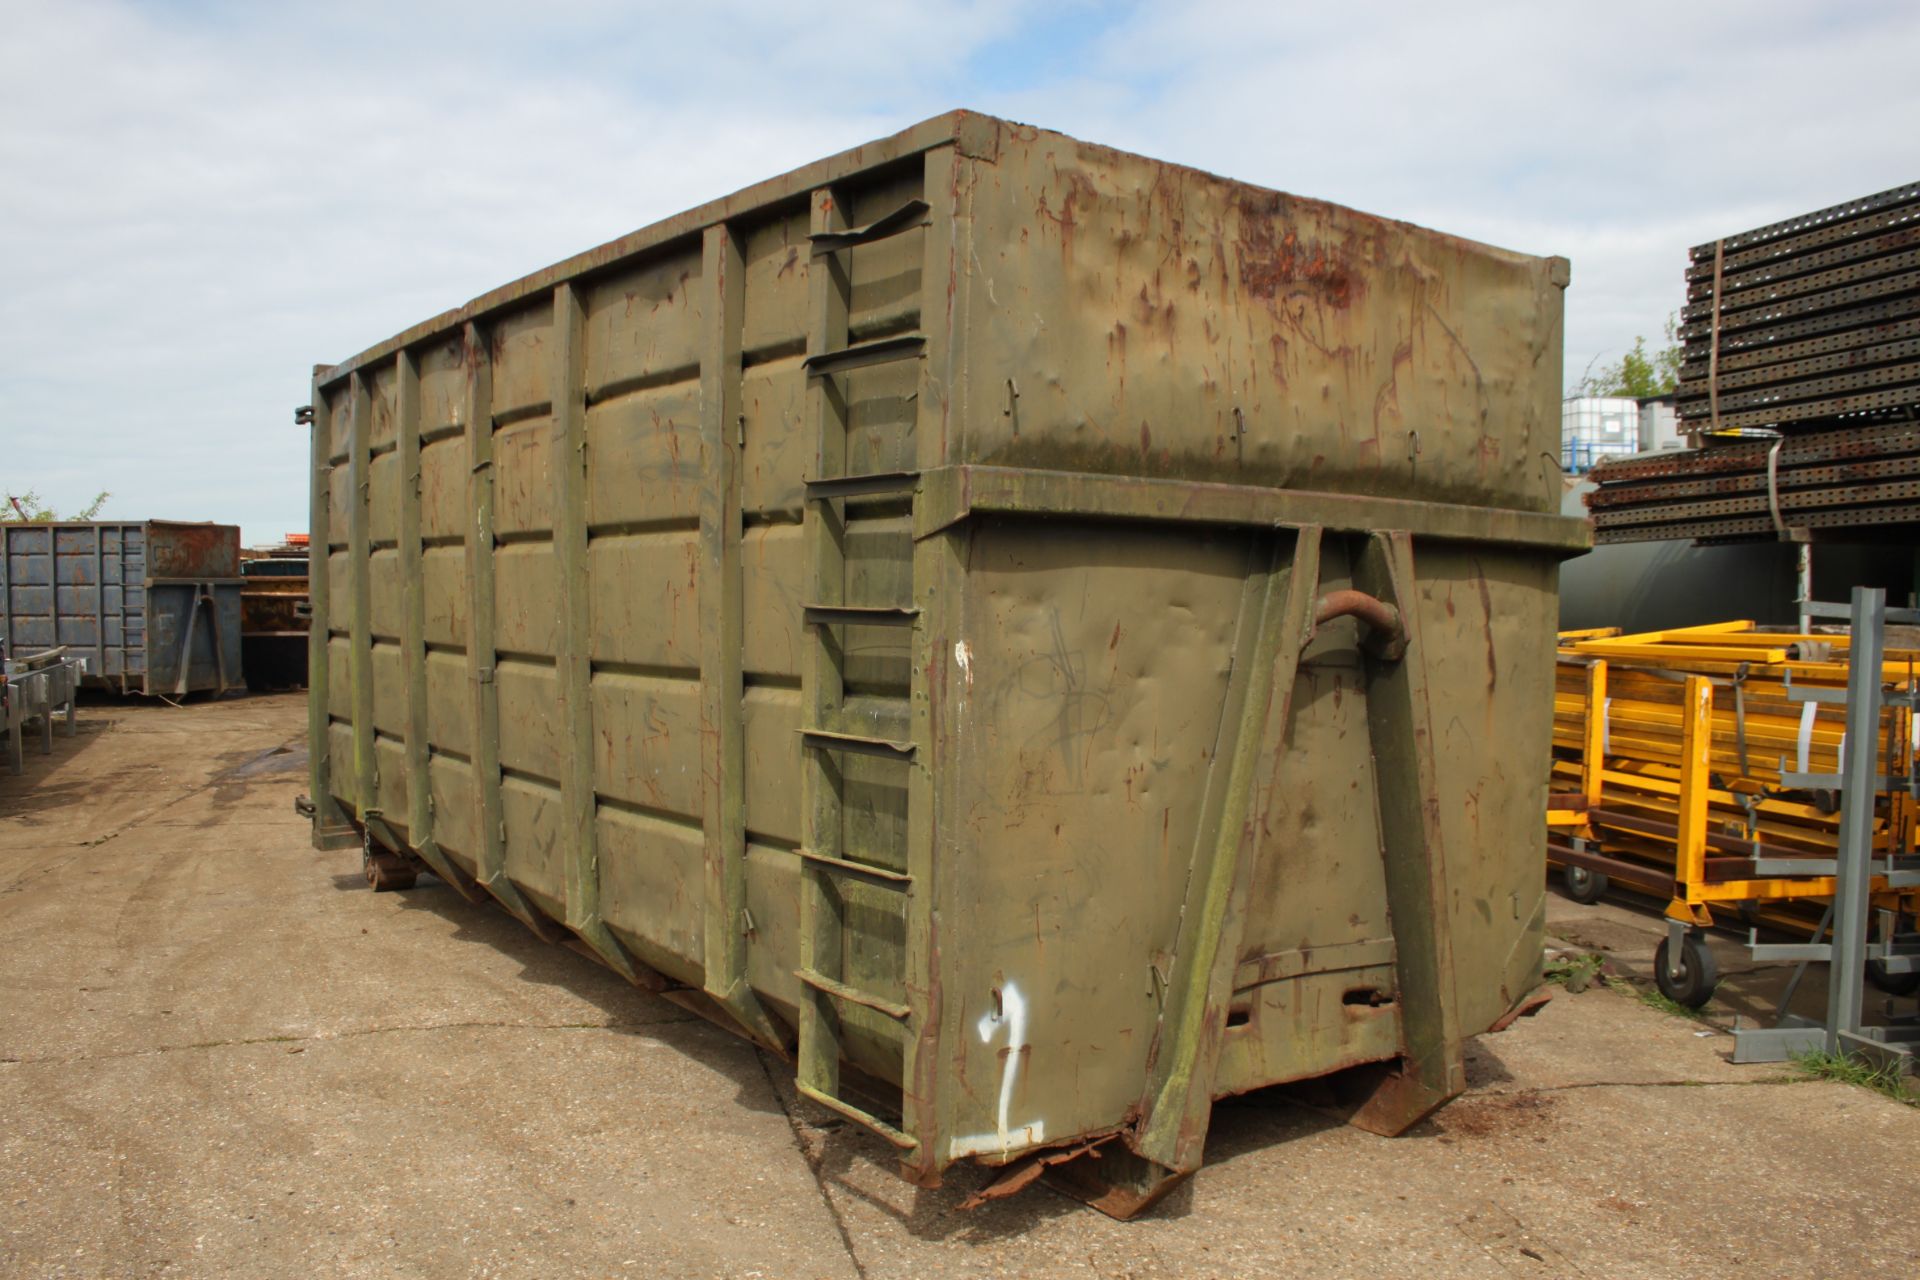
x=1855 y=1070
x=1575 y=971
x=1654 y=999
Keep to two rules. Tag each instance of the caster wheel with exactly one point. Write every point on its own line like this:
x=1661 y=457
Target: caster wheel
x=1698 y=976
x=1583 y=884
x=1894 y=984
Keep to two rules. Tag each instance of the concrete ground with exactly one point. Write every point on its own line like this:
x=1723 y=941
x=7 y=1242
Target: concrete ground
x=220 y=1054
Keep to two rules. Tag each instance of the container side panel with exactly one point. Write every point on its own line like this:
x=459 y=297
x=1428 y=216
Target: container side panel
x=773 y=802
x=645 y=729
x=643 y=326
x=443 y=491
x=656 y=625
x=529 y=701
x=775 y=458
x=339 y=503
x=382 y=415
x=776 y=253
x=454 y=808
x=773 y=900
x=79 y=598
x=650 y=882
x=641 y=334
x=644 y=450
x=522 y=365
x=1155 y=320
x=390 y=708
x=530 y=810
x=449 y=718
x=443 y=387
x=133 y=569
x=29 y=593
x=389 y=594
x=339 y=588
x=527 y=602
x=443 y=587
x=339 y=682
x=340 y=751
x=771 y=559
x=523 y=486
x=340 y=433
x=1088 y=707
x=383 y=488
x=390 y=770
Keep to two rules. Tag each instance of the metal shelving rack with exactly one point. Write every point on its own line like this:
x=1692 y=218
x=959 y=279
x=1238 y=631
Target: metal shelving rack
x=1849 y=947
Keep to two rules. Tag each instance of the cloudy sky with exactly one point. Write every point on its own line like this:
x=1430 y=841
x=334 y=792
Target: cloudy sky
x=200 y=200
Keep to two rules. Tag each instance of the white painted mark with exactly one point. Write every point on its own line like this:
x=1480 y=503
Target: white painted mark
x=963 y=654
x=981 y=1144
x=1010 y=1013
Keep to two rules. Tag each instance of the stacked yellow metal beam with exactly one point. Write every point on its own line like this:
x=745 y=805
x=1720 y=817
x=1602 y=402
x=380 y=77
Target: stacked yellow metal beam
x=1669 y=754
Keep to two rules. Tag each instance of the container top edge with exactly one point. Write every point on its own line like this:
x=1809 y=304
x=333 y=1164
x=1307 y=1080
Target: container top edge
x=936 y=131
x=974 y=133
x=116 y=524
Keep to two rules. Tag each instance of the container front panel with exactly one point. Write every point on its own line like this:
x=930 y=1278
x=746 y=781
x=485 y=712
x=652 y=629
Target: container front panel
x=1134 y=317
x=193 y=550
x=1314 y=980
x=1089 y=707
x=1489 y=618
x=193 y=640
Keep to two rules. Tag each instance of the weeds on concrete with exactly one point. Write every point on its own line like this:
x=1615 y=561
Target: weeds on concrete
x=1850 y=1069
x=1573 y=970
x=1654 y=999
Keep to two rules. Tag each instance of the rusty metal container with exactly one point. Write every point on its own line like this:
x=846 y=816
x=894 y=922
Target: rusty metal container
x=274 y=615
x=152 y=606
x=1040 y=638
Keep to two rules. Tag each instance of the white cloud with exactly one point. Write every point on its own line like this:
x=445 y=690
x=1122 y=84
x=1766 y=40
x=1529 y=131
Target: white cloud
x=198 y=201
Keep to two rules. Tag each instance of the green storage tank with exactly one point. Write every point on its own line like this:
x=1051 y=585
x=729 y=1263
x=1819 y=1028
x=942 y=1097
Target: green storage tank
x=1038 y=637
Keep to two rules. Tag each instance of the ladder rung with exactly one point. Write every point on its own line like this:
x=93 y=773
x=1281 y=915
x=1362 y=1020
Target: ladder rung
x=908 y=217
x=861 y=486
x=882 y=876
x=857 y=743
x=903 y=346
x=853 y=995
x=859 y=1117
x=859 y=614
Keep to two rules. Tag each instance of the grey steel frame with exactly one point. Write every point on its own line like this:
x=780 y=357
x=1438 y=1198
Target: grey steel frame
x=36 y=689
x=1859 y=780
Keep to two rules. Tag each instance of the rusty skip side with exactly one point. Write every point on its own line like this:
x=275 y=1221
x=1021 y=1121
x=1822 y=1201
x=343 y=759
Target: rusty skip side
x=151 y=606
x=1040 y=638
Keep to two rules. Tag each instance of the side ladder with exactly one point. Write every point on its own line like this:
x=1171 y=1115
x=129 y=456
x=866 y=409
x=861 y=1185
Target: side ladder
x=831 y=737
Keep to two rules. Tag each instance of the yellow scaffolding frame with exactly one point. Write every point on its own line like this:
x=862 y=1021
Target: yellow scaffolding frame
x=1651 y=766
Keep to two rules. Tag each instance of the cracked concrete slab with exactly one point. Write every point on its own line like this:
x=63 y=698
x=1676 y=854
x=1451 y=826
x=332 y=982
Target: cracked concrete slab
x=223 y=1055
